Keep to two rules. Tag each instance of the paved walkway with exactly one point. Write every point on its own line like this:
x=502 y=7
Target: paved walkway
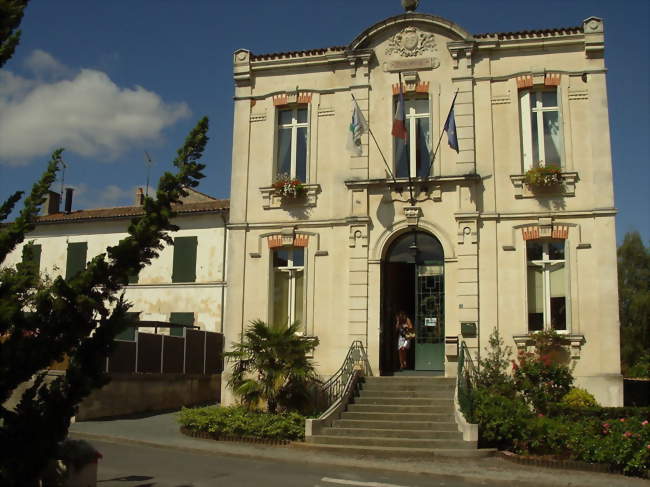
x=162 y=430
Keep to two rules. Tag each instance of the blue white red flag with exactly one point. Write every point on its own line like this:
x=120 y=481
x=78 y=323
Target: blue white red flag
x=399 y=121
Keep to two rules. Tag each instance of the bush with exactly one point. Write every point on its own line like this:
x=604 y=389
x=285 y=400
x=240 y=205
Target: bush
x=503 y=421
x=541 y=380
x=579 y=398
x=641 y=368
x=240 y=422
x=597 y=412
x=493 y=369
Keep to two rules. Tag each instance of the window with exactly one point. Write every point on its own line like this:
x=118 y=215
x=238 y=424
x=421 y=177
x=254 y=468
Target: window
x=547 y=285
x=413 y=156
x=292 y=143
x=32 y=255
x=76 y=259
x=541 y=129
x=184 y=268
x=288 y=285
x=186 y=319
x=128 y=334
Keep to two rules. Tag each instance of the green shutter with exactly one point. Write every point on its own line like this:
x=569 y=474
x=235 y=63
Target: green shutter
x=32 y=254
x=133 y=278
x=180 y=319
x=76 y=261
x=128 y=334
x=184 y=259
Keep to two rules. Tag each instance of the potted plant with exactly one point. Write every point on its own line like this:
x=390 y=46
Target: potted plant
x=287 y=187
x=543 y=177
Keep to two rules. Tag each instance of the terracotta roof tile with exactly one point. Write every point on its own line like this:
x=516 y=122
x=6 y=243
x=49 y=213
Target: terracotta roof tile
x=292 y=54
x=131 y=211
x=527 y=34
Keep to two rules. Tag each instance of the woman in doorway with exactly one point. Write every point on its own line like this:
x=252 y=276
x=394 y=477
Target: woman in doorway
x=405 y=333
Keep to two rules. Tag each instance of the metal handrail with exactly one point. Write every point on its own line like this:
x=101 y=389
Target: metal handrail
x=355 y=360
x=466 y=382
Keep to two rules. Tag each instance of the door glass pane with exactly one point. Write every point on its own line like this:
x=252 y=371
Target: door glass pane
x=301 y=155
x=552 y=138
x=284 y=151
x=535 y=298
x=401 y=158
x=300 y=284
x=302 y=115
x=423 y=155
x=280 y=297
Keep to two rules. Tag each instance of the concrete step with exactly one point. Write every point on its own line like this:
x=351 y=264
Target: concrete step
x=407 y=401
x=392 y=433
x=424 y=394
x=403 y=425
x=388 y=442
x=379 y=452
x=391 y=387
x=399 y=408
x=391 y=416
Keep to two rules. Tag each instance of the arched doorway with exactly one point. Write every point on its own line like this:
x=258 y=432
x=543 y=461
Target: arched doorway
x=413 y=281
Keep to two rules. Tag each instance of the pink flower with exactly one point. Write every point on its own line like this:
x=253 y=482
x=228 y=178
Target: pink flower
x=648 y=447
x=622 y=420
x=540 y=415
x=644 y=423
x=627 y=434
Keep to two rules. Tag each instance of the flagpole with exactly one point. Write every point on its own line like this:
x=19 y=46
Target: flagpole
x=377 y=144
x=433 y=158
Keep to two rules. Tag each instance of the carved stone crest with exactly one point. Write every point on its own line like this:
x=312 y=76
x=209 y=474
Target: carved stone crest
x=410 y=42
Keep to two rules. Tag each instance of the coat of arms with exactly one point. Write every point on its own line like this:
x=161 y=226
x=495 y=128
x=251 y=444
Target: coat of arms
x=411 y=42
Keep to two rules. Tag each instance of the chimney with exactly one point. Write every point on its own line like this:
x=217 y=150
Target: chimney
x=139 y=197
x=68 y=199
x=52 y=203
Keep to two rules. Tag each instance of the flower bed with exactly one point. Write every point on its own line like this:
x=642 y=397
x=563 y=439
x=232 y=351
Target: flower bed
x=237 y=422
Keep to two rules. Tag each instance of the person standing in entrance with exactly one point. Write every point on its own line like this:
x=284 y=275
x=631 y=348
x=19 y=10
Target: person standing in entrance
x=405 y=333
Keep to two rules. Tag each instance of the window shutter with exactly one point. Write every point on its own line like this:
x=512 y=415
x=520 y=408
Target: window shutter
x=32 y=253
x=180 y=319
x=128 y=334
x=76 y=260
x=184 y=269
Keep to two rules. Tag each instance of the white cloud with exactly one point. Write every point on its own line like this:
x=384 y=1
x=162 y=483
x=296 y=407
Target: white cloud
x=87 y=114
x=87 y=197
x=43 y=64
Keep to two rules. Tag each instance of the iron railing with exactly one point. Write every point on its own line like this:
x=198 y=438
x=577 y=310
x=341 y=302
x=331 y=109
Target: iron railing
x=355 y=361
x=467 y=374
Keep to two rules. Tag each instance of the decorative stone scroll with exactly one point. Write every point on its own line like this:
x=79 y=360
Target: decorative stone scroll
x=411 y=42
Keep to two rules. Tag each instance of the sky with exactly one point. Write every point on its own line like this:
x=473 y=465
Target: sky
x=110 y=80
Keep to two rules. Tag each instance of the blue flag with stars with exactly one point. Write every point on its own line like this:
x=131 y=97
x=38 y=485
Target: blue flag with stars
x=450 y=128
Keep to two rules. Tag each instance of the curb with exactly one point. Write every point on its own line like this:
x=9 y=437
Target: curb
x=555 y=464
x=242 y=439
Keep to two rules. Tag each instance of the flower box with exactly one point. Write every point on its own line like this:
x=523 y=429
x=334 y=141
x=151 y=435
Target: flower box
x=543 y=177
x=290 y=188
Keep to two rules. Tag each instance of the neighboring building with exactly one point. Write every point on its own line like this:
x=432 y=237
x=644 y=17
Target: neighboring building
x=474 y=247
x=184 y=285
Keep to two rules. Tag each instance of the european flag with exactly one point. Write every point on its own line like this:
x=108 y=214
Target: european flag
x=450 y=128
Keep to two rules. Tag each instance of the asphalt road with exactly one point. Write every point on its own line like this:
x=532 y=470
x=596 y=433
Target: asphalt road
x=129 y=465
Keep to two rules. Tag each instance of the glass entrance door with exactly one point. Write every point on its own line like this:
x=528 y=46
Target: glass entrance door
x=429 y=317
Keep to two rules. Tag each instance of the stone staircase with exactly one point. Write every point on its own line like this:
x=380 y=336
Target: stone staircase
x=399 y=416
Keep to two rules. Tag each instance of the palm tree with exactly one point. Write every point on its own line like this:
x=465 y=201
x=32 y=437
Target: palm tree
x=271 y=366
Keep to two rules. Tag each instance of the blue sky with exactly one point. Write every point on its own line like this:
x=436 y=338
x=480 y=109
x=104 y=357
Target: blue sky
x=109 y=80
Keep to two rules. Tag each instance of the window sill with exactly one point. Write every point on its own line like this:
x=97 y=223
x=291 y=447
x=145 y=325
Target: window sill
x=575 y=342
x=272 y=200
x=566 y=188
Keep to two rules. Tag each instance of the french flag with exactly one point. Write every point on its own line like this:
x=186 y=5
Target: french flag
x=399 y=125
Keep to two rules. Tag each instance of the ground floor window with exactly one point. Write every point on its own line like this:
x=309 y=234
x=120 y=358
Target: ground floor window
x=288 y=282
x=547 y=285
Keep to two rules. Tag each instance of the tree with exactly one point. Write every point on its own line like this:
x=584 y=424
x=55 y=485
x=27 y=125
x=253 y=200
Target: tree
x=43 y=320
x=272 y=368
x=11 y=13
x=634 y=298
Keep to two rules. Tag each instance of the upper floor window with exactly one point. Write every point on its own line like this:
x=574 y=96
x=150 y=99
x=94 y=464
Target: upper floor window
x=292 y=142
x=184 y=267
x=547 y=285
x=541 y=128
x=184 y=319
x=76 y=259
x=288 y=282
x=413 y=155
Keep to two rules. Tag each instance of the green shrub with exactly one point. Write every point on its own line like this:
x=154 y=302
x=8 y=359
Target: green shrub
x=600 y=413
x=493 y=368
x=641 y=368
x=541 y=380
x=503 y=422
x=579 y=398
x=238 y=421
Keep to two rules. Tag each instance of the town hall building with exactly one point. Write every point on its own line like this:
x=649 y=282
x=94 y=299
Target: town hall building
x=505 y=220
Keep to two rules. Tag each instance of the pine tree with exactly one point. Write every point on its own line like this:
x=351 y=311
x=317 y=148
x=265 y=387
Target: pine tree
x=44 y=320
x=11 y=13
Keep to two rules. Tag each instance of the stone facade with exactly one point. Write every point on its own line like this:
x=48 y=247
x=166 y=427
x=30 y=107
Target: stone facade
x=330 y=256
